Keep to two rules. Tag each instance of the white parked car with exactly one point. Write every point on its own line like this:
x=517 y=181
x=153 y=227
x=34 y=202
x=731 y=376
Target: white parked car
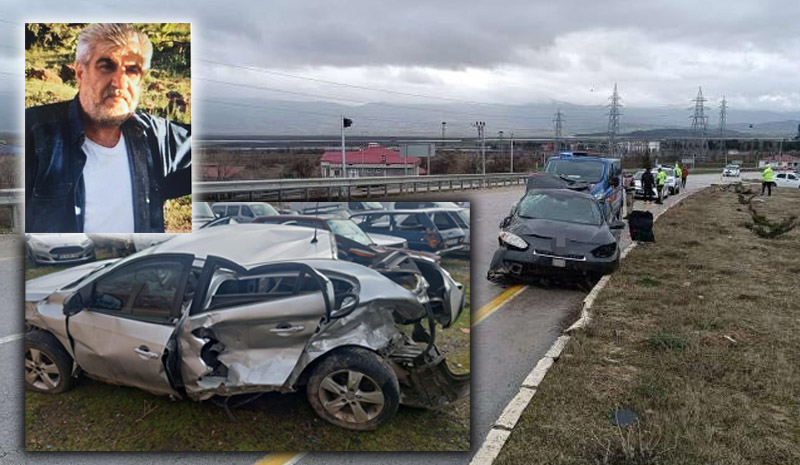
x=731 y=169
x=787 y=179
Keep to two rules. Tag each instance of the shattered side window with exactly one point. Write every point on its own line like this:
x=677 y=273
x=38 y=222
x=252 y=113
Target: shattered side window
x=145 y=290
x=242 y=290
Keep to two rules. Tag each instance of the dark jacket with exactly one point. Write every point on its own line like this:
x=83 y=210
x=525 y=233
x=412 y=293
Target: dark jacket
x=159 y=156
x=648 y=181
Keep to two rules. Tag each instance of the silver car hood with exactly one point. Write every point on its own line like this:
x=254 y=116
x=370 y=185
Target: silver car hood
x=61 y=240
x=384 y=240
x=248 y=244
x=40 y=288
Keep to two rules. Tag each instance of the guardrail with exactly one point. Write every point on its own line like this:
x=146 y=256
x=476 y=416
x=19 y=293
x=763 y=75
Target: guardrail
x=12 y=199
x=348 y=188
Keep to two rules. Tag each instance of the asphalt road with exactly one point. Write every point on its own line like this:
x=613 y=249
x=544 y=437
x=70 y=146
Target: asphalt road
x=505 y=347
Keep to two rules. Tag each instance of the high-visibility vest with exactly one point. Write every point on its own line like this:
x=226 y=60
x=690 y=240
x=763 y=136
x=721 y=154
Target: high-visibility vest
x=661 y=178
x=677 y=171
x=768 y=175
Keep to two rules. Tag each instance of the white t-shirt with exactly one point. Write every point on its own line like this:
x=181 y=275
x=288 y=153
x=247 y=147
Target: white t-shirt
x=107 y=178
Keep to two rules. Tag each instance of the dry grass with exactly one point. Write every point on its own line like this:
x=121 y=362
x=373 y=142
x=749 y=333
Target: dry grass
x=178 y=215
x=699 y=334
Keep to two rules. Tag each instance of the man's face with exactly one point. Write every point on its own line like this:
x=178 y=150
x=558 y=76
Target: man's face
x=109 y=86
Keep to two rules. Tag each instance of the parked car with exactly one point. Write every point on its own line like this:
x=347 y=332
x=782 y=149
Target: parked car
x=430 y=230
x=673 y=182
x=339 y=227
x=556 y=233
x=415 y=205
x=731 y=170
x=247 y=309
x=601 y=174
x=201 y=214
x=59 y=249
x=243 y=212
x=638 y=191
x=787 y=179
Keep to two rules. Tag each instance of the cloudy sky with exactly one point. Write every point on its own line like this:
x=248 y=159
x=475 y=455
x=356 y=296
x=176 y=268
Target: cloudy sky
x=495 y=52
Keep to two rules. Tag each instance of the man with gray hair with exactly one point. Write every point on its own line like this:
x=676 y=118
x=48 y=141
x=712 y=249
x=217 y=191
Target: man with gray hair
x=95 y=164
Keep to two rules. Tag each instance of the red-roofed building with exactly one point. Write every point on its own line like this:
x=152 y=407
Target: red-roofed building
x=780 y=162
x=369 y=162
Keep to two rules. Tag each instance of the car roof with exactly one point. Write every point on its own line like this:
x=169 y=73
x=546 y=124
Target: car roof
x=405 y=211
x=248 y=244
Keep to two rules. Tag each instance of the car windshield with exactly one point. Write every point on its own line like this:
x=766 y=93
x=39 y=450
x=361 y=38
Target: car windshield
x=348 y=229
x=566 y=208
x=589 y=171
x=263 y=209
x=202 y=210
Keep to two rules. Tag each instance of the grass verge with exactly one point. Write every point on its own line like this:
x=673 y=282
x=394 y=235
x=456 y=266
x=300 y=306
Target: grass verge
x=94 y=416
x=705 y=352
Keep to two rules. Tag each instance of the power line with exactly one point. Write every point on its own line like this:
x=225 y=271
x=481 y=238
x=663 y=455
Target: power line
x=614 y=112
x=558 y=121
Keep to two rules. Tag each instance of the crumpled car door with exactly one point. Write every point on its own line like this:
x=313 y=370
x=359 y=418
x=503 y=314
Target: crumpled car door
x=247 y=329
x=121 y=334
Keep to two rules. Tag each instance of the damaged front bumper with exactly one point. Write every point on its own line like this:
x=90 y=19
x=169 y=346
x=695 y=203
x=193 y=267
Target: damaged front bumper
x=521 y=263
x=425 y=379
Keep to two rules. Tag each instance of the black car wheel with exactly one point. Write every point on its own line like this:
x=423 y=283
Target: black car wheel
x=354 y=389
x=48 y=366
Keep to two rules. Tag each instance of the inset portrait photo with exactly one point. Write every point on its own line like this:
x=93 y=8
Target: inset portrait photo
x=107 y=128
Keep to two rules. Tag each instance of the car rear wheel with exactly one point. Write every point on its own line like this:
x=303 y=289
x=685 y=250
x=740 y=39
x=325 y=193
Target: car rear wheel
x=47 y=365
x=354 y=389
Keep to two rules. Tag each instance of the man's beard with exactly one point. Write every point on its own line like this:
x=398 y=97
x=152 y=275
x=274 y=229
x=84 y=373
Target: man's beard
x=105 y=116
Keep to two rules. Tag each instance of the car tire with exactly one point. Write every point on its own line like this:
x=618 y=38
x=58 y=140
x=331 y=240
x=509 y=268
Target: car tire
x=48 y=366
x=354 y=388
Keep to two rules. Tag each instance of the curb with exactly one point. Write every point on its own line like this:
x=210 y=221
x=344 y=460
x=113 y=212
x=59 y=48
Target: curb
x=502 y=428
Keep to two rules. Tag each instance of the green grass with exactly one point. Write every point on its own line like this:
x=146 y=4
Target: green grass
x=707 y=359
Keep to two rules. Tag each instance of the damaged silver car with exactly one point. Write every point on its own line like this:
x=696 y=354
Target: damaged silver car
x=247 y=309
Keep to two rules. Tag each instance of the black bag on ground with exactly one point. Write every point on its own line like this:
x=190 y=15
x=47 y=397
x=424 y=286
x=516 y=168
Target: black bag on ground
x=640 y=225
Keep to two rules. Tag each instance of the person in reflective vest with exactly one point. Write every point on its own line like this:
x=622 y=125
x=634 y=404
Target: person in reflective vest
x=767 y=179
x=677 y=173
x=661 y=180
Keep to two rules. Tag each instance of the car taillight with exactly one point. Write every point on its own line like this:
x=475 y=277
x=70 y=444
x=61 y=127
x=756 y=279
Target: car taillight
x=605 y=251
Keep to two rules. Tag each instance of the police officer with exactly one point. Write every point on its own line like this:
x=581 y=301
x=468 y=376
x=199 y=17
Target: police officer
x=661 y=181
x=677 y=173
x=767 y=179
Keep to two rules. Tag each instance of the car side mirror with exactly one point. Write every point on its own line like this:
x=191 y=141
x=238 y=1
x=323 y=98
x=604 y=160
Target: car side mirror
x=617 y=224
x=73 y=304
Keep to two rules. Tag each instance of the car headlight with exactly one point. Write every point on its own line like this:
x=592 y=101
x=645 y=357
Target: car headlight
x=513 y=240
x=34 y=242
x=86 y=243
x=605 y=251
x=599 y=196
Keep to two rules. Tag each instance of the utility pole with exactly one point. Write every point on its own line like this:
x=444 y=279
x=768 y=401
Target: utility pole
x=480 y=126
x=723 y=115
x=558 y=121
x=512 y=152
x=614 y=112
x=444 y=125
x=699 y=124
x=346 y=123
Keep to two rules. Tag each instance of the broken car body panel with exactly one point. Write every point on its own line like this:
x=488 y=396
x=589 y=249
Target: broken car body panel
x=226 y=325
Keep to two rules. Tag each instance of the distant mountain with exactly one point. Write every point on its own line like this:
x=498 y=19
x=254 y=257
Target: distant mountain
x=273 y=117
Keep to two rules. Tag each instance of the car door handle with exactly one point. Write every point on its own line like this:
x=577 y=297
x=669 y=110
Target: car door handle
x=144 y=351
x=287 y=329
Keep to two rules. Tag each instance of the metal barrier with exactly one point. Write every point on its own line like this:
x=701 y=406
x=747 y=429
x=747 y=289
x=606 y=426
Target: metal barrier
x=12 y=199
x=349 y=188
